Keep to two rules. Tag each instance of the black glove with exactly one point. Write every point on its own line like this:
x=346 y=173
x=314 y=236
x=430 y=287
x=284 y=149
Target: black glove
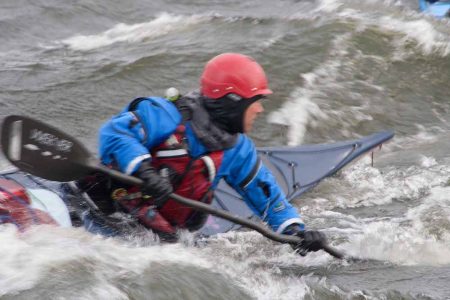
x=312 y=240
x=154 y=184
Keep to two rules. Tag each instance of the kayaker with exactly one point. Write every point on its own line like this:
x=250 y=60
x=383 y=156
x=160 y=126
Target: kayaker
x=188 y=144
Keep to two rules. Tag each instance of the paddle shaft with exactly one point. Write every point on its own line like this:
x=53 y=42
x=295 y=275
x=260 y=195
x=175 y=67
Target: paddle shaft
x=282 y=238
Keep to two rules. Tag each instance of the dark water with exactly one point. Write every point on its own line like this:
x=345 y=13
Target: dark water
x=338 y=69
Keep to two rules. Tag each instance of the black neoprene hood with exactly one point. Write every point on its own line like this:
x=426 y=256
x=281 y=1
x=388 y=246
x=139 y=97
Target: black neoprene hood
x=228 y=112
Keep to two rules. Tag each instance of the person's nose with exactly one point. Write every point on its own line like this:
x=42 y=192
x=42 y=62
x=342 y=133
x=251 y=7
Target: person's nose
x=259 y=107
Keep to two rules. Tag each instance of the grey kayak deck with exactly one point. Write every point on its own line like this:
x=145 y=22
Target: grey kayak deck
x=297 y=170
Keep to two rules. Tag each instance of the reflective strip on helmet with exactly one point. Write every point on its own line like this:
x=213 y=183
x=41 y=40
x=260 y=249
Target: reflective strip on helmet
x=209 y=163
x=171 y=153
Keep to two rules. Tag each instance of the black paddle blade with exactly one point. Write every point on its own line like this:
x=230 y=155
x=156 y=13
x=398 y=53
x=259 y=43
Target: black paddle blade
x=43 y=150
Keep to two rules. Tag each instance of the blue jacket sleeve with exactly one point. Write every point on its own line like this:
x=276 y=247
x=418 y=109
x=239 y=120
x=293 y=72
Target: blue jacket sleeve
x=127 y=138
x=243 y=170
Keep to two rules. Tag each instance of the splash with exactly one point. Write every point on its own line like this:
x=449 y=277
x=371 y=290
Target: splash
x=335 y=83
x=122 y=33
x=390 y=241
x=298 y=116
x=430 y=35
x=310 y=105
x=255 y=260
x=427 y=162
x=429 y=40
x=418 y=234
x=74 y=264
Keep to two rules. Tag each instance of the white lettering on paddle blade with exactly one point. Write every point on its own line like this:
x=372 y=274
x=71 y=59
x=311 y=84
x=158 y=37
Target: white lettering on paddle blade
x=51 y=140
x=31 y=147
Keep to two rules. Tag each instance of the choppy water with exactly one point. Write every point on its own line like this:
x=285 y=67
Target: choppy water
x=339 y=69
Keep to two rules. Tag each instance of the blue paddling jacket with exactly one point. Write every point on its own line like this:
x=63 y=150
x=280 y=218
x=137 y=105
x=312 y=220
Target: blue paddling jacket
x=127 y=139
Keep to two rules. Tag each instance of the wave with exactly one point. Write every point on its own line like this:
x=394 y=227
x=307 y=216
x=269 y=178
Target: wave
x=163 y=24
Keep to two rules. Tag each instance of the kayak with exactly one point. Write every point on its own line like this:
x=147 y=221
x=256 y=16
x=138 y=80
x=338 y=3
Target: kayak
x=29 y=200
x=439 y=9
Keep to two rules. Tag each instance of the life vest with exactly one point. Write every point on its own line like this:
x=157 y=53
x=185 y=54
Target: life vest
x=190 y=177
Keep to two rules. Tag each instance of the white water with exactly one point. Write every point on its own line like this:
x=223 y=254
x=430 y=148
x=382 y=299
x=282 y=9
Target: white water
x=134 y=33
x=407 y=33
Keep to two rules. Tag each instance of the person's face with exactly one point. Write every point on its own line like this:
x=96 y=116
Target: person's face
x=250 y=115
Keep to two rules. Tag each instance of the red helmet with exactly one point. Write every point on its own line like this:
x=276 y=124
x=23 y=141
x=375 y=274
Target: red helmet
x=233 y=73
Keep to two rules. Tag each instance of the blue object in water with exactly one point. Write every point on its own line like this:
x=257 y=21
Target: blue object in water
x=438 y=9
